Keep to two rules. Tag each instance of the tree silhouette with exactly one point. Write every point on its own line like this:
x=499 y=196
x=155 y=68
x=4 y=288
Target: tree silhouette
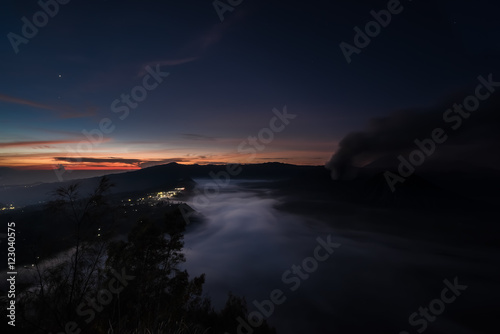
x=120 y=286
x=61 y=285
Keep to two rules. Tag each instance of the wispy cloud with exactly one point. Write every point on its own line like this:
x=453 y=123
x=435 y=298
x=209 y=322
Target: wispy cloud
x=61 y=111
x=100 y=160
x=165 y=62
x=196 y=48
x=175 y=62
x=39 y=143
x=193 y=136
x=142 y=163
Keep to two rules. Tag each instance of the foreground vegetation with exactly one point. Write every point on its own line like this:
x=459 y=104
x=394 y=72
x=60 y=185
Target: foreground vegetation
x=110 y=285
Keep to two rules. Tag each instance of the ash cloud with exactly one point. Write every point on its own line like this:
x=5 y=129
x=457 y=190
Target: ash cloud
x=475 y=141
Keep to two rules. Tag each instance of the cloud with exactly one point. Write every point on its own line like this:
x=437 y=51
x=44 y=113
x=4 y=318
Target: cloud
x=192 y=136
x=174 y=62
x=165 y=62
x=387 y=137
x=196 y=48
x=38 y=144
x=188 y=53
x=112 y=160
x=61 y=111
x=100 y=160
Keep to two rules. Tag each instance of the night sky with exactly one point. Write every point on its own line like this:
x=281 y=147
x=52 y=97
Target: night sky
x=225 y=78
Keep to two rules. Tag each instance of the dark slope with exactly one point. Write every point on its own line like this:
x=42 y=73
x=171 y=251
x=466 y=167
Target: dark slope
x=157 y=177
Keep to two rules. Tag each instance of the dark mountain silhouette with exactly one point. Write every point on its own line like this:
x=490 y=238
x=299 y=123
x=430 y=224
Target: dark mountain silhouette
x=155 y=178
x=424 y=189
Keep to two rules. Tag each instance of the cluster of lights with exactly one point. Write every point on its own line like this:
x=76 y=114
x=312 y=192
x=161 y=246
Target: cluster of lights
x=157 y=196
x=171 y=193
x=10 y=207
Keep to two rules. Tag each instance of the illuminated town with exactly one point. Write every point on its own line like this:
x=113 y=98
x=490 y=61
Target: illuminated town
x=9 y=207
x=162 y=197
